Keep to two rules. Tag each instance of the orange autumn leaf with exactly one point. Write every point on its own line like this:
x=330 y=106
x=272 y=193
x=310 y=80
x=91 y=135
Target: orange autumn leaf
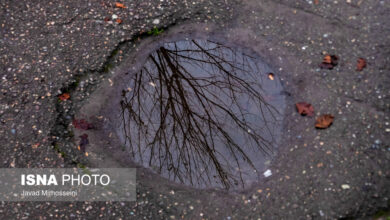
x=361 y=64
x=327 y=59
x=305 y=108
x=120 y=5
x=64 y=96
x=324 y=121
x=329 y=62
x=118 y=21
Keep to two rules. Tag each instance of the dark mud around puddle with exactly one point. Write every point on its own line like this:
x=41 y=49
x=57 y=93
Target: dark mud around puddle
x=201 y=113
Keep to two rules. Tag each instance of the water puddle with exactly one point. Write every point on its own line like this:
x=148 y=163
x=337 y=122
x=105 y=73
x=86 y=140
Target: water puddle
x=203 y=114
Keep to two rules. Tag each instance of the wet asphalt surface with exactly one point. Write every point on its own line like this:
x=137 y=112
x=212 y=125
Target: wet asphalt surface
x=48 y=48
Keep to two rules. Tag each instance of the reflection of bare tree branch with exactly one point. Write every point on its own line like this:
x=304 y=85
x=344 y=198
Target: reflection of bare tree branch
x=182 y=117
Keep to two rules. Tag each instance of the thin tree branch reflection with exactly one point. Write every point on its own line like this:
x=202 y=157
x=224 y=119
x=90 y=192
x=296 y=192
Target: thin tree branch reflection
x=190 y=110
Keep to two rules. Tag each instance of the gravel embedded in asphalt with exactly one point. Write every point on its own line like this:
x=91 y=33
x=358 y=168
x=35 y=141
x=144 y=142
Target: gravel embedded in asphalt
x=47 y=48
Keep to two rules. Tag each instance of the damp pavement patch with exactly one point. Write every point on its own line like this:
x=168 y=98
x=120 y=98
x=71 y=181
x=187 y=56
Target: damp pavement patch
x=341 y=172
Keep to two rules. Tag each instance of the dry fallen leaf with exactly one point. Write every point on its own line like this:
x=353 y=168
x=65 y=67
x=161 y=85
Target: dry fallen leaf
x=324 y=121
x=329 y=62
x=64 y=96
x=305 y=108
x=361 y=64
x=119 y=5
x=271 y=76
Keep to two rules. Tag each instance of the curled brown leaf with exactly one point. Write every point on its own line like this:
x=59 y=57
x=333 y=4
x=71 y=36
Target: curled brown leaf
x=304 y=108
x=64 y=96
x=329 y=62
x=324 y=121
x=361 y=64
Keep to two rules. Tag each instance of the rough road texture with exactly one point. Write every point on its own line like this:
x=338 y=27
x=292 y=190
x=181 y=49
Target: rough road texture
x=45 y=47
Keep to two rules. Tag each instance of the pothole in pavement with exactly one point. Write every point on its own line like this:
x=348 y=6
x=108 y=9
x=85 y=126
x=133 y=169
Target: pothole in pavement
x=202 y=113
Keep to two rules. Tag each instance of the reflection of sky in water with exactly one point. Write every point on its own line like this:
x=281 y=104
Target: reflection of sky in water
x=262 y=119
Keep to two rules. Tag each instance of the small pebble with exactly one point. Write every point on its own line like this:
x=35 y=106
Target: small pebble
x=267 y=173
